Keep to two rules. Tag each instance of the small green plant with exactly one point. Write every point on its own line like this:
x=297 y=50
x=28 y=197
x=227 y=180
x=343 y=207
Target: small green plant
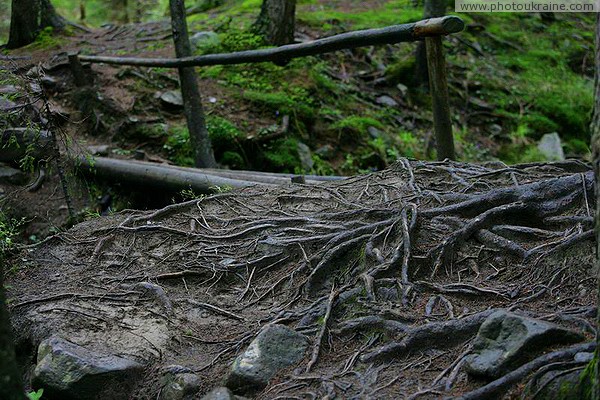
x=37 y=395
x=9 y=228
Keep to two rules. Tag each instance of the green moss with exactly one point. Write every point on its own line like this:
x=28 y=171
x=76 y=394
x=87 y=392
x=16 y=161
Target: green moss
x=233 y=160
x=402 y=71
x=223 y=133
x=225 y=138
x=282 y=103
x=282 y=155
x=357 y=125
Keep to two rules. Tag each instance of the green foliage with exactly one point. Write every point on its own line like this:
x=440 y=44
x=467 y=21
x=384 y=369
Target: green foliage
x=282 y=155
x=47 y=39
x=9 y=229
x=238 y=40
x=356 y=125
x=37 y=395
x=225 y=137
x=233 y=160
x=281 y=102
x=178 y=146
x=223 y=133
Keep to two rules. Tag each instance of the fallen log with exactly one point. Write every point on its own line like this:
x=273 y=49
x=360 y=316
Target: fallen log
x=174 y=178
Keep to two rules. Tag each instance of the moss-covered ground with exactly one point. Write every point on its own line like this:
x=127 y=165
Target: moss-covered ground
x=512 y=79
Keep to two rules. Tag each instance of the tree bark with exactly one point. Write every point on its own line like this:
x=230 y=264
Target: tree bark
x=276 y=21
x=24 y=23
x=11 y=386
x=49 y=16
x=595 y=130
x=192 y=101
x=28 y=17
x=431 y=9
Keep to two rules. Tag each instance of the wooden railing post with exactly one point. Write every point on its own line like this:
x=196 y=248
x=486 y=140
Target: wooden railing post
x=438 y=87
x=79 y=75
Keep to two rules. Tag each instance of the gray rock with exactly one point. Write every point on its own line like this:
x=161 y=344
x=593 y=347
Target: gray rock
x=172 y=99
x=583 y=357
x=9 y=89
x=551 y=147
x=402 y=88
x=14 y=143
x=386 y=101
x=7 y=105
x=374 y=132
x=99 y=150
x=68 y=371
x=219 y=393
x=276 y=347
x=505 y=340
x=11 y=175
x=205 y=39
x=49 y=82
x=180 y=386
x=325 y=152
x=305 y=156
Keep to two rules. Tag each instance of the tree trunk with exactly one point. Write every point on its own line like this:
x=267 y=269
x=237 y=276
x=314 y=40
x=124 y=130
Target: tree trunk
x=431 y=9
x=276 y=21
x=24 y=23
x=11 y=387
x=595 y=130
x=192 y=101
x=49 y=16
x=28 y=17
x=119 y=11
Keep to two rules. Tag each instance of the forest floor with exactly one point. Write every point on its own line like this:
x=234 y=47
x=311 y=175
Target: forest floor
x=287 y=254
x=368 y=268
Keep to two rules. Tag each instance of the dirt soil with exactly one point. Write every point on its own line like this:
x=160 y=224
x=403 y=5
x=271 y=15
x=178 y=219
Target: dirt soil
x=357 y=265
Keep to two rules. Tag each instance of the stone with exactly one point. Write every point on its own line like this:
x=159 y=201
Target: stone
x=66 y=370
x=180 y=386
x=98 y=150
x=219 y=393
x=172 y=99
x=305 y=156
x=506 y=340
x=276 y=347
x=11 y=175
x=49 y=82
x=386 y=101
x=9 y=89
x=583 y=357
x=14 y=143
x=325 y=152
x=551 y=147
x=402 y=88
x=205 y=39
x=7 y=105
x=374 y=132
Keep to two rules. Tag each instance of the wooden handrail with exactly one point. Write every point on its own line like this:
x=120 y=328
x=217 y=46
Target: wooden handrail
x=369 y=37
x=430 y=29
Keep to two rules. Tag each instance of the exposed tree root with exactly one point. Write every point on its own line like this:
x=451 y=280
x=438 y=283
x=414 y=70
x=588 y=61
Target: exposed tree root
x=376 y=267
x=495 y=389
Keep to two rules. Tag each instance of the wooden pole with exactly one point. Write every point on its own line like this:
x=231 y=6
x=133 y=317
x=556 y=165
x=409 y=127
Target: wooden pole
x=79 y=75
x=438 y=87
x=192 y=101
x=349 y=40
